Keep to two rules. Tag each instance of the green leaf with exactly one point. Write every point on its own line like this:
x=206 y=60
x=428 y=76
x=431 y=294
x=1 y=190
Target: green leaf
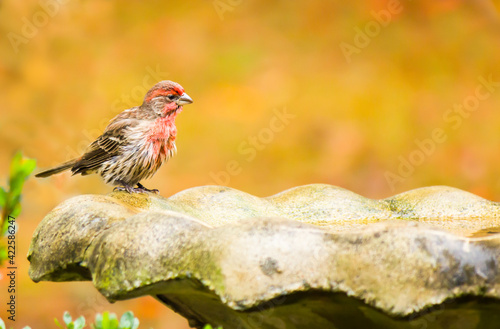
x=98 y=321
x=15 y=163
x=3 y=197
x=27 y=167
x=3 y=253
x=79 y=323
x=16 y=210
x=3 y=256
x=67 y=318
x=3 y=230
x=105 y=320
x=20 y=169
x=12 y=201
x=2 y=324
x=57 y=323
x=27 y=327
x=135 y=325
x=113 y=321
x=21 y=166
x=15 y=178
x=127 y=320
x=15 y=188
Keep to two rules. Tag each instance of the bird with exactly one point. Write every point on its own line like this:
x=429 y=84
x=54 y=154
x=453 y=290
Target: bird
x=135 y=143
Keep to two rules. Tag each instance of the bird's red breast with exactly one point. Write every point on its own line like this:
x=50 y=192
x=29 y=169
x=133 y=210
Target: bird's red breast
x=162 y=135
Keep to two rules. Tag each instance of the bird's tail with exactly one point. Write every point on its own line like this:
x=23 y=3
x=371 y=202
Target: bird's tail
x=58 y=169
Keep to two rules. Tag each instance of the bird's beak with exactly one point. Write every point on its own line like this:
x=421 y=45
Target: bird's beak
x=184 y=99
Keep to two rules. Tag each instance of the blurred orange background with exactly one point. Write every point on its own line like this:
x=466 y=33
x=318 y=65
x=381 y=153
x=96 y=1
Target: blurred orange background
x=358 y=86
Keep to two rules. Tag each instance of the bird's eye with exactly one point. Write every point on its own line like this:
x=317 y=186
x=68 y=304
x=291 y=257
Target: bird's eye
x=171 y=97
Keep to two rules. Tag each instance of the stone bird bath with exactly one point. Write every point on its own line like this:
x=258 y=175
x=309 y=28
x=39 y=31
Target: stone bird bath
x=315 y=256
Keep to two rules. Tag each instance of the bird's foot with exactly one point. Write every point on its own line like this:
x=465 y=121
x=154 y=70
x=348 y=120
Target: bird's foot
x=127 y=188
x=144 y=189
x=139 y=189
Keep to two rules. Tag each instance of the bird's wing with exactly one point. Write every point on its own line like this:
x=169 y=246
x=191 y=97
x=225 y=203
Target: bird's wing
x=105 y=147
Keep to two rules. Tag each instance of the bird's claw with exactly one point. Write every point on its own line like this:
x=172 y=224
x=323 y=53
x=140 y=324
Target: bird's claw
x=127 y=188
x=144 y=189
x=139 y=189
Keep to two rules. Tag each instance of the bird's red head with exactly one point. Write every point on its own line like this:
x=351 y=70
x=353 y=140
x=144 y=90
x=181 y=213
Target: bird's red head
x=166 y=97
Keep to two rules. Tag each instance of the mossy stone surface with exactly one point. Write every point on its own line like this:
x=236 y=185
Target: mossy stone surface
x=315 y=256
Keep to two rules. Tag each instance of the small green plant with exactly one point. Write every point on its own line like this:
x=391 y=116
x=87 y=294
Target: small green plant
x=207 y=326
x=70 y=324
x=102 y=321
x=10 y=199
x=109 y=321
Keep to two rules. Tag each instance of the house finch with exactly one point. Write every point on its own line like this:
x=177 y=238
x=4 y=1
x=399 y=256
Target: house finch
x=135 y=143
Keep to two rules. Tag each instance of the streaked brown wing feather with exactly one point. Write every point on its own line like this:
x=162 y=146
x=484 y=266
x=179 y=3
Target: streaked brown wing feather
x=104 y=147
